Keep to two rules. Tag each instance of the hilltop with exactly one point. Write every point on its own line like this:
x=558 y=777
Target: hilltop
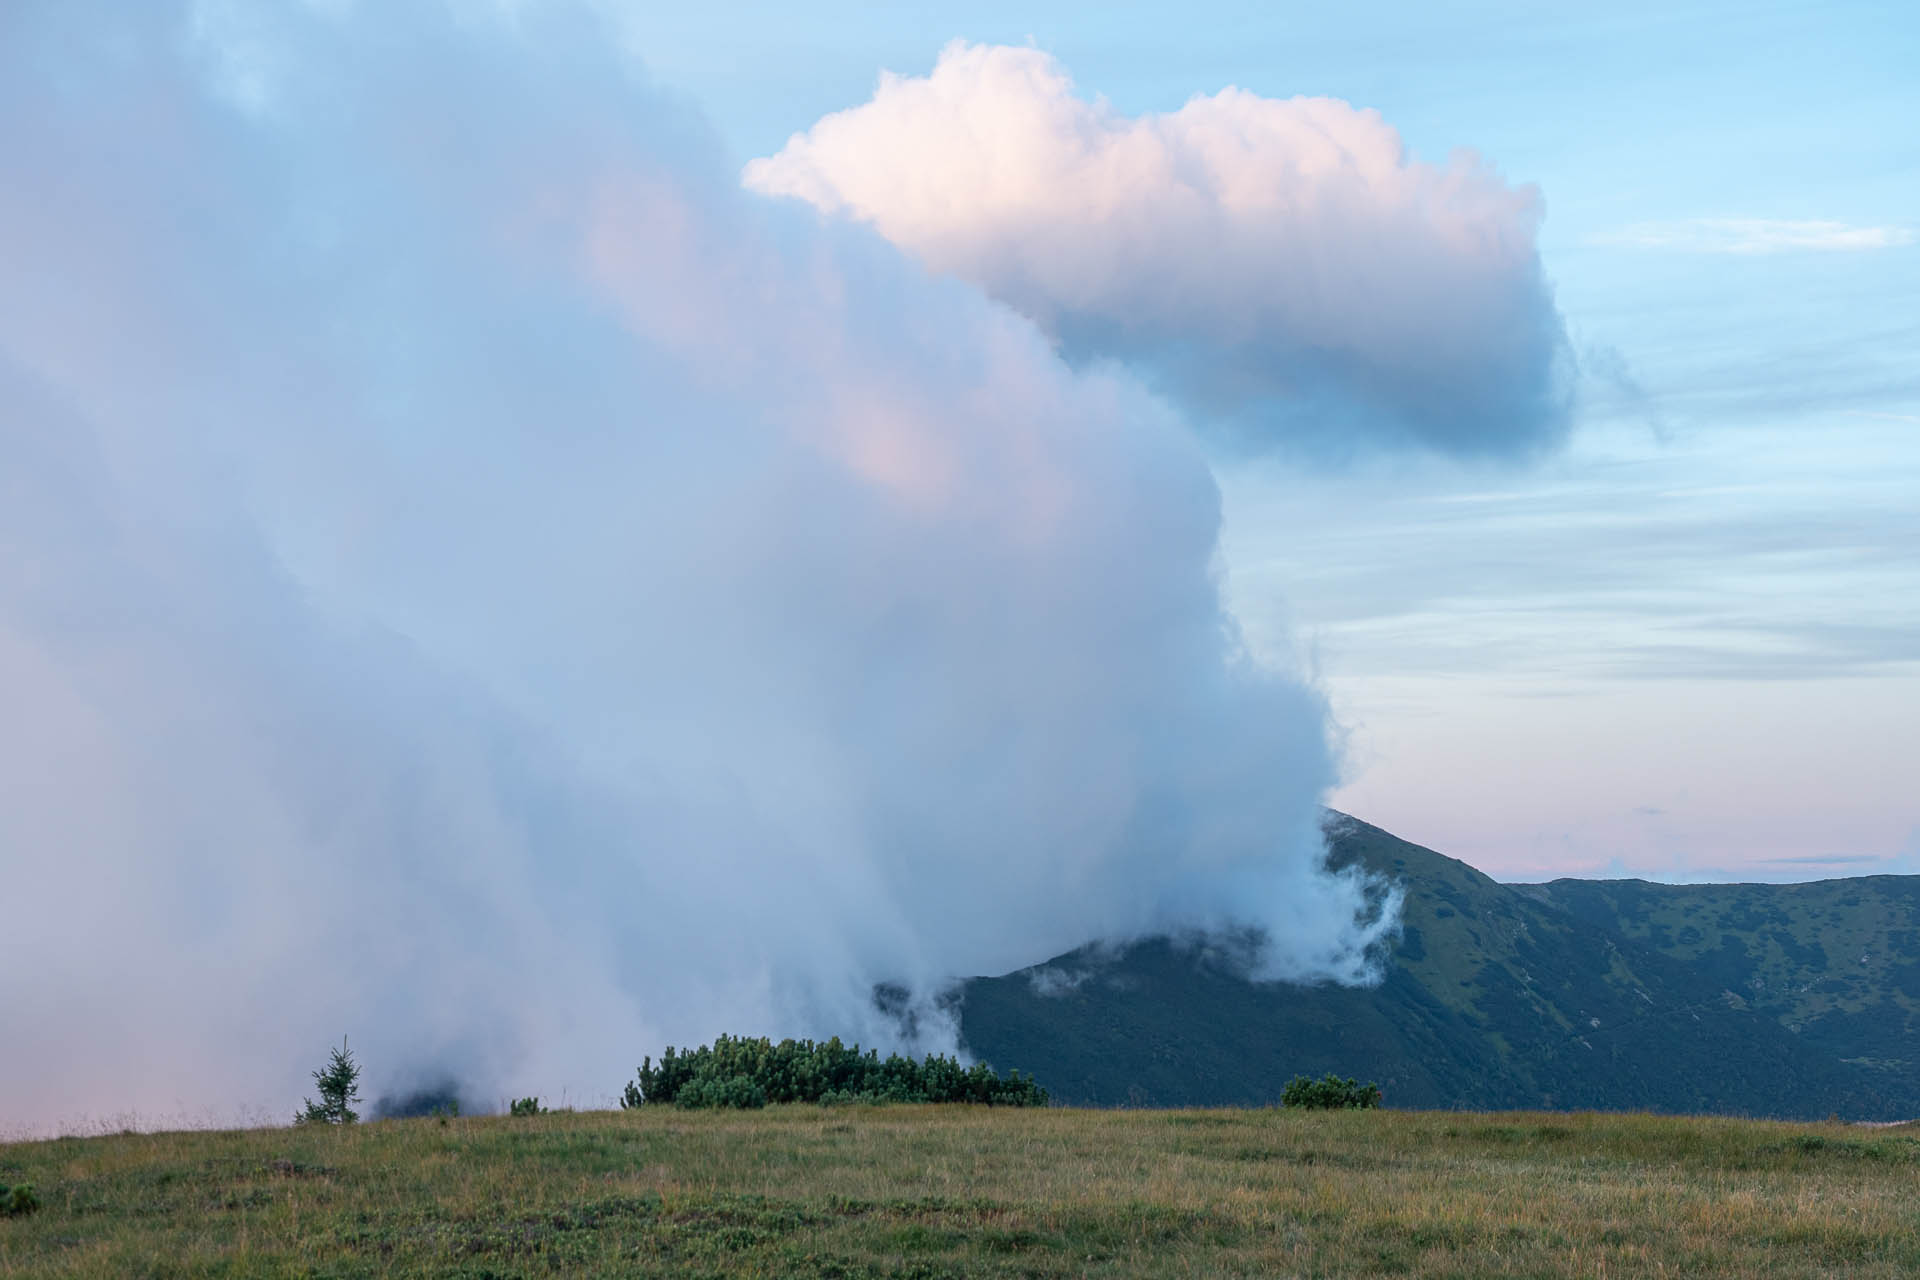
x=1611 y=995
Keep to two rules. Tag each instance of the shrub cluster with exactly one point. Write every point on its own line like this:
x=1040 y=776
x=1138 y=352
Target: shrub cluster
x=1330 y=1093
x=17 y=1199
x=526 y=1107
x=738 y=1071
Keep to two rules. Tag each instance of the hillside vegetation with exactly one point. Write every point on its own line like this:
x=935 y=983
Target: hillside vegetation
x=1615 y=995
x=922 y=1192
x=1835 y=962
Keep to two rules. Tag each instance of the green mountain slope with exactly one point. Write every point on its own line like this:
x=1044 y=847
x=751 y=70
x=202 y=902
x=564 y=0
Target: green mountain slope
x=1494 y=996
x=1835 y=962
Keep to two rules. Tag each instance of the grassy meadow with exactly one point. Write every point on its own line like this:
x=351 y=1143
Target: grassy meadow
x=932 y=1191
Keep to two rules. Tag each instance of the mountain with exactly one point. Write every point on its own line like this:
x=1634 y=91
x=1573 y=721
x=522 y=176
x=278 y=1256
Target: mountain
x=1573 y=995
x=1835 y=962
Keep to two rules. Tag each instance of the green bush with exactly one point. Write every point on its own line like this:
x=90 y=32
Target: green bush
x=1330 y=1093
x=743 y=1093
x=17 y=1199
x=738 y=1071
x=526 y=1107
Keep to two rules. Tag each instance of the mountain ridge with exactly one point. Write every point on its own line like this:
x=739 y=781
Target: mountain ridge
x=1570 y=995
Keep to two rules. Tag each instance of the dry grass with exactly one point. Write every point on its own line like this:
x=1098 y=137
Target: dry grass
x=948 y=1191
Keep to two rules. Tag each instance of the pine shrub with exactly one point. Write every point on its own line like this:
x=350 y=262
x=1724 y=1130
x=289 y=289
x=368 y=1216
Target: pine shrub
x=739 y=1071
x=1329 y=1093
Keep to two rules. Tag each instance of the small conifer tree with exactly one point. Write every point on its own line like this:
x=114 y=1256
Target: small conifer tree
x=339 y=1085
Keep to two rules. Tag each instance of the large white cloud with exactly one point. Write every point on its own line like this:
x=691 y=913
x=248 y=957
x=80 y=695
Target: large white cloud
x=1284 y=269
x=472 y=578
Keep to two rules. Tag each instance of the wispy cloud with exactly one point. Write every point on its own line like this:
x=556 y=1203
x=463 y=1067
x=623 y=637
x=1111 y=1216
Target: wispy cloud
x=1757 y=235
x=1824 y=860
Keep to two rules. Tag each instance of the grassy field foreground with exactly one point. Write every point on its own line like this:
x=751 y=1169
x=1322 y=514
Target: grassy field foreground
x=950 y=1191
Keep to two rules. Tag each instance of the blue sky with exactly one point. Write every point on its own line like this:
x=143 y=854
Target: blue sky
x=1688 y=643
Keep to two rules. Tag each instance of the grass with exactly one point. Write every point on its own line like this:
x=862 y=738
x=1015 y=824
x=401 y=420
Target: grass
x=923 y=1192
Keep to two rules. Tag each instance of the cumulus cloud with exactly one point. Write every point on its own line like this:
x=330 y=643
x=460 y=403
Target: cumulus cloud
x=1758 y=236
x=474 y=579
x=1283 y=270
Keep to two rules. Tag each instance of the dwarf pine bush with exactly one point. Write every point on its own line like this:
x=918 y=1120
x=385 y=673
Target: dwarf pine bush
x=17 y=1200
x=739 y=1071
x=1330 y=1093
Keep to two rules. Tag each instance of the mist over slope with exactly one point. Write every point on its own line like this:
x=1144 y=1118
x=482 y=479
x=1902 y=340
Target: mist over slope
x=476 y=580
x=1495 y=996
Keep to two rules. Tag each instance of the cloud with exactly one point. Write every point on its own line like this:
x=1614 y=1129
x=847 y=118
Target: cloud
x=1824 y=860
x=1051 y=982
x=475 y=580
x=1788 y=560
x=1281 y=269
x=1757 y=236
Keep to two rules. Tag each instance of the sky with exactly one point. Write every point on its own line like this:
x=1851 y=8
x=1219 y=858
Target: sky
x=530 y=532
x=1684 y=645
